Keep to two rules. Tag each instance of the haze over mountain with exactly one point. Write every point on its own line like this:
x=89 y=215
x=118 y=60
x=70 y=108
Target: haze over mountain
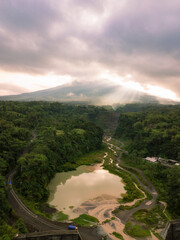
x=45 y=44
x=99 y=93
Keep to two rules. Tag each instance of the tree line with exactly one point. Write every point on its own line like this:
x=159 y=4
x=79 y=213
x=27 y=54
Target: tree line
x=64 y=133
x=154 y=131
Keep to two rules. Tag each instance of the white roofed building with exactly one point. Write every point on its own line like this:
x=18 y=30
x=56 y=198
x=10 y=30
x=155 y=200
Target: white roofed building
x=152 y=159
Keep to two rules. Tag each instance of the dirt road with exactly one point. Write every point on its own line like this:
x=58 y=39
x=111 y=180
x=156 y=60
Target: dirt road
x=36 y=222
x=103 y=208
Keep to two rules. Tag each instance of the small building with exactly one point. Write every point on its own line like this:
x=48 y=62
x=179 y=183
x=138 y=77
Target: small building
x=151 y=159
x=172 y=162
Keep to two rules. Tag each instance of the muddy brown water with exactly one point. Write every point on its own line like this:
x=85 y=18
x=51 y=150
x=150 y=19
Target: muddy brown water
x=68 y=190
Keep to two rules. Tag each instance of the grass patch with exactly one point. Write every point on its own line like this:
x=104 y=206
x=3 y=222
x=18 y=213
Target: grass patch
x=155 y=173
x=71 y=207
x=118 y=235
x=87 y=159
x=91 y=158
x=150 y=217
x=157 y=235
x=35 y=207
x=59 y=132
x=146 y=216
x=124 y=207
x=133 y=171
x=168 y=214
x=86 y=220
x=78 y=131
x=134 y=230
x=118 y=142
x=115 y=211
x=106 y=221
x=60 y=216
x=131 y=191
x=137 y=174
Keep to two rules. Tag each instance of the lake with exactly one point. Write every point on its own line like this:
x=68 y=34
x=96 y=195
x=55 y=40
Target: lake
x=68 y=190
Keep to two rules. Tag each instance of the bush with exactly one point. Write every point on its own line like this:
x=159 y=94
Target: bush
x=136 y=230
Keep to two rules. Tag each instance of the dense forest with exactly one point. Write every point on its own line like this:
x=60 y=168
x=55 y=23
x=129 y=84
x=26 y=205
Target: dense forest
x=151 y=130
x=55 y=135
x=60 y=132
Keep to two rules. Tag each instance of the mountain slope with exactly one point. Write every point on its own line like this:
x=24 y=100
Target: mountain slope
x=89 y=92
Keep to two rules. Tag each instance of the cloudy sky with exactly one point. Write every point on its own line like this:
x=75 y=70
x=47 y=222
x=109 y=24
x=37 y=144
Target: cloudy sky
x=45 y=43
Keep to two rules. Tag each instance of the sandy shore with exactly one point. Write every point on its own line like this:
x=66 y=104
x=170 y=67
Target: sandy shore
x=102 y=207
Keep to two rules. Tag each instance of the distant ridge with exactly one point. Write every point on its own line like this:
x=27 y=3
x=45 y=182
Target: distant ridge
x=98 y=93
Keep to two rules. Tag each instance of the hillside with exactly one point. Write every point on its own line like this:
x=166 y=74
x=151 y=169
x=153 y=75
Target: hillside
x=98 y=93
x=153 y=131
x=64 y=133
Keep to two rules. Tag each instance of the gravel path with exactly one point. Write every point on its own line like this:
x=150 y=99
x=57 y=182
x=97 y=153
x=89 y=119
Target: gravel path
x=36 y=222
x=146 y=204
x=102 y=211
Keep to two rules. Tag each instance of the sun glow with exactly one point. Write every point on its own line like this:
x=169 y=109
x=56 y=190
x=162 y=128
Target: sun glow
x=161 y=92
x=127 y=82
x=31 y=82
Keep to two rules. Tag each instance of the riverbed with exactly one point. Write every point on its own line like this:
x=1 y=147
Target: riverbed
x=71 y=191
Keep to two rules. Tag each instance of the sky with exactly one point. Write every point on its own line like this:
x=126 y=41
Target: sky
x=46 y=43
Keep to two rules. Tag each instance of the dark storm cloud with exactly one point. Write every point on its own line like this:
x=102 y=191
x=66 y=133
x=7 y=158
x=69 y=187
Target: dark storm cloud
x=84 y=38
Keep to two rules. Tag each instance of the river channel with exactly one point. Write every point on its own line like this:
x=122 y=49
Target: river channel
x=70 y=190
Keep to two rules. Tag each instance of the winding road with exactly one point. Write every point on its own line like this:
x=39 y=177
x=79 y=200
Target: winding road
x=146 y=204
x=35 y=222
x=102 y=207
x=40 y=223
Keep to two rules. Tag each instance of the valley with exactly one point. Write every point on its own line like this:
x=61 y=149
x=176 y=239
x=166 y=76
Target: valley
x=65 y=145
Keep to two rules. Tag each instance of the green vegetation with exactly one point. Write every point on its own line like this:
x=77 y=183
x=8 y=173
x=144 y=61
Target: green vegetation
x=135 y=107
x=86 y=220
x=131 y=191
x=88 y=158
x=66 y=136
x=36 y=207
x=154 y=131
x=141 y=178
x=149 y=217
x=118 y=235
x=62 y=135
x=51 y=153
x=124 y=207
x=157 y=235
x=106 y=221
x=60 y=216
x=20 y=226
x=59 y=132
x=7 y=232
x=153 y=218
x=166 y=180
x=78 y=131
x=135 y=230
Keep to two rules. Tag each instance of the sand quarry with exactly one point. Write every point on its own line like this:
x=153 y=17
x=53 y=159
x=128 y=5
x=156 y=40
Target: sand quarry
x=102 y=207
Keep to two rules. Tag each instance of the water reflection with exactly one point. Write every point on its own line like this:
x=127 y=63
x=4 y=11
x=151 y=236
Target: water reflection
x=75 y=187
x=61 y=178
